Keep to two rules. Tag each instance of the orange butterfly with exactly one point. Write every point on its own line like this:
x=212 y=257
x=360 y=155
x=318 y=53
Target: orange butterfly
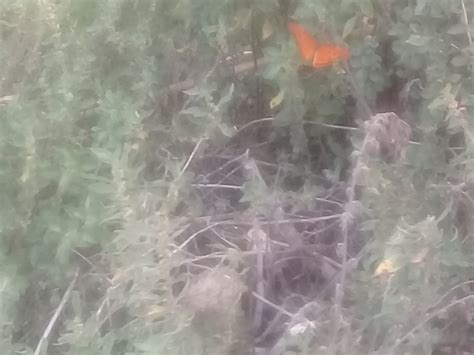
x=319 y=55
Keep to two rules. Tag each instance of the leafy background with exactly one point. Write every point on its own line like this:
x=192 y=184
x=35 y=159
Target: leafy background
x=138 y=162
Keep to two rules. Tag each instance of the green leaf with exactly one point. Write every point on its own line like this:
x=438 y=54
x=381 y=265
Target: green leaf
x=349 y=26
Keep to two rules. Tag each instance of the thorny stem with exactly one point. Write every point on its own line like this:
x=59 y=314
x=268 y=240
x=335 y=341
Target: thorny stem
x=346 y=221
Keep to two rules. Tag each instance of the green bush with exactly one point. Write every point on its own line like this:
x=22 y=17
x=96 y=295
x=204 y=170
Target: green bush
x=134 y=156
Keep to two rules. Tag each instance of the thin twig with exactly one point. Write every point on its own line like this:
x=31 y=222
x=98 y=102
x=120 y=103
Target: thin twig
x=237 y=158
x=346 y=128
x=55 y=316
x=466 y=22
x=326 y=125
x=426 y=320
x=271 y=304
x=251 y=123
x=301 y=220
x=194 y=235
x=260 y=247
x=232 y=222
x=267 y=119
x=91 y=264
x=220 y=255
x=328 y=201
x=221 y=186
x=461 y=284
x=233 y=245
x=186 y=165
x=229 y=174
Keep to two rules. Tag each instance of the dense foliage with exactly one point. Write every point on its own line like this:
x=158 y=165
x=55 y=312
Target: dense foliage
x=144 y=161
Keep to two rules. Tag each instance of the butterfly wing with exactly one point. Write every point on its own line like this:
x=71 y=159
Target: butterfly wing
x=320 y=56
x=306 y=43
x=327 y=54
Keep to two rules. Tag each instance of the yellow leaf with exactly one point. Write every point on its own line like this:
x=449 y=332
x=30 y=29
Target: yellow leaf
x=386 y=267
x=276 y=101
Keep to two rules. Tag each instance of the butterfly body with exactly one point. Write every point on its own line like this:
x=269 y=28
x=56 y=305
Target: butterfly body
x=314 y=53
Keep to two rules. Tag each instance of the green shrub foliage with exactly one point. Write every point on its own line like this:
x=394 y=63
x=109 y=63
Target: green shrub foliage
x=116 y=116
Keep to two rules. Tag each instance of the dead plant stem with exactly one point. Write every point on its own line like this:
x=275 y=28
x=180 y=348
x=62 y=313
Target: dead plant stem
x=260 y=249
x=346 y=221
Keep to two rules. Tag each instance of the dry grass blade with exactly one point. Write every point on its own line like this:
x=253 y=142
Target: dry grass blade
x=466 y=22
x=54 y=318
